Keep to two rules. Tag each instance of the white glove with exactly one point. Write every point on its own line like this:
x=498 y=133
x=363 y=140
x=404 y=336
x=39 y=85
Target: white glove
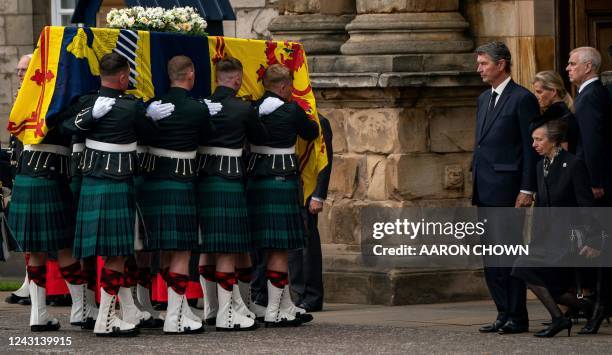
x=213 y=107
x=102 y=106
x=158 y=111
x=269 y=105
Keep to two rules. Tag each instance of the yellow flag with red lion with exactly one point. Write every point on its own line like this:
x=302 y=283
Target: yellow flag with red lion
x=256 y=56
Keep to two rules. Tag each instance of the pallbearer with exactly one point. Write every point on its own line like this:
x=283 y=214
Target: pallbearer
x=273 y=191
x=223 y=211
x=106 y=213
x=42 y=216
x=168 y=192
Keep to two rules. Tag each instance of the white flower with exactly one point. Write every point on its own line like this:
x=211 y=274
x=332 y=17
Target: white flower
x=186 y=27
x=179 y=19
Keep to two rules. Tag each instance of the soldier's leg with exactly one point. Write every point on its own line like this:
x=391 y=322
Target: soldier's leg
x=280 y=311
x=233 y=313
x=107 y=323
x=143 y=286
x=209 y=287
x=40 y=320
x=244 y=273
x=177 y=318
x=80 y=313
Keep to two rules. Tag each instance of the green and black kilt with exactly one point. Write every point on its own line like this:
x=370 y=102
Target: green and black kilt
x=75 y=188
x=169 y=210
x=139 y=222
x=105 y=218
x=274 y=212
x=223 y=213
x=75 y=176
x=41 y=214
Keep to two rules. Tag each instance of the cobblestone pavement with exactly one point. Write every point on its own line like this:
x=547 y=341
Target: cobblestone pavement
x=341 y=329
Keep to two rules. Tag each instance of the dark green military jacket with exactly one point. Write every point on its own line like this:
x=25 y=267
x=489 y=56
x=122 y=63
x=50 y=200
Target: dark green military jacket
x=236 y=122
x=48 y=165
x=181 y=131
x=283 y=125
x=125 y=123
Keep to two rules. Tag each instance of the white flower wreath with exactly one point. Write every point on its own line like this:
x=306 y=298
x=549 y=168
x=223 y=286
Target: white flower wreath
x=179 y=19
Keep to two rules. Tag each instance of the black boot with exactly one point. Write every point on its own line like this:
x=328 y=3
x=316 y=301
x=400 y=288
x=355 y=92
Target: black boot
x=593 y=324
x=555 y=327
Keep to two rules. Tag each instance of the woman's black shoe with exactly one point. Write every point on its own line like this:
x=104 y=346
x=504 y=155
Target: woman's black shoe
x=593 y=324
x=555 y=327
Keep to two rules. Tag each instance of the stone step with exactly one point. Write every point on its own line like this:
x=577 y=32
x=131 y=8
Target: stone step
x=347 y=279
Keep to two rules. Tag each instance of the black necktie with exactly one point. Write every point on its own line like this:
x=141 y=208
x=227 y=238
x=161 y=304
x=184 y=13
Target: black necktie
x=489 y=108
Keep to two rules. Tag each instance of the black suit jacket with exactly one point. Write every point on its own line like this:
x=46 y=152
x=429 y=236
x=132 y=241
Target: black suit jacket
x=593 y=111
x=503 y=161
x=567 y=183
x=324 y=175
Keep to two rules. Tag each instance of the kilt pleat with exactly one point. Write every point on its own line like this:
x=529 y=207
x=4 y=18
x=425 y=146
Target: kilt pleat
x=105 y=218
x=223 y=215
x=274 y=213
x=169 y=210
x=75 y=188
x=41 y=214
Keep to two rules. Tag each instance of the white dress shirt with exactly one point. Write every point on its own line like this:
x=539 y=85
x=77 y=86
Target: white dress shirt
x=500 y=89
x=587 y=83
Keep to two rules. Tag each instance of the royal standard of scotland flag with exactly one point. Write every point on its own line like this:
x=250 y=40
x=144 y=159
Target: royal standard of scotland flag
x=65 y=65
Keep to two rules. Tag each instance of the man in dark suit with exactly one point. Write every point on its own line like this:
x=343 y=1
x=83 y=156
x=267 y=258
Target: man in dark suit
x=503 y=173
x=305 y=265
x=593 y=111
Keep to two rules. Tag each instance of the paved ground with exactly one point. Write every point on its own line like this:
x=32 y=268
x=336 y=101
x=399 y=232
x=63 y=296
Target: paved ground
x=341 y=329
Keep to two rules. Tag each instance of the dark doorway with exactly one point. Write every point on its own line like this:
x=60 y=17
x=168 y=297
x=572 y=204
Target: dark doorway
x=583 y=23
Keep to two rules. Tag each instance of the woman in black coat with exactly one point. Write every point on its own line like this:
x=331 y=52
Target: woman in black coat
x=562 y=182
x=556 y=101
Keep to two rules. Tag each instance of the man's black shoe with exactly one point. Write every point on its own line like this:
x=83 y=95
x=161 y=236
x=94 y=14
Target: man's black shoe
x=308 y=308
x=25 y=301
x=511 y=327
x=14 y=299
x=491 y=328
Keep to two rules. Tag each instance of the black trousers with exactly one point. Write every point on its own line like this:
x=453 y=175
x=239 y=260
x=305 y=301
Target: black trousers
x=504 y=226
x=305 y=267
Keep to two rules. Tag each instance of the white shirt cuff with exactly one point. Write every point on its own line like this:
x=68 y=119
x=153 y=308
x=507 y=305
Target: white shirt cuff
x=317 y=199
x=527 y=192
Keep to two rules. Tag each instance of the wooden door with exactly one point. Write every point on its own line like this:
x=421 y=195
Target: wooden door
x=583 y=23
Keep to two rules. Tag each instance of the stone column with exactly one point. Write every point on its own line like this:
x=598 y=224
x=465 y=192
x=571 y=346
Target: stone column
x=318 y=24
x=406 y=27
x=401 y=101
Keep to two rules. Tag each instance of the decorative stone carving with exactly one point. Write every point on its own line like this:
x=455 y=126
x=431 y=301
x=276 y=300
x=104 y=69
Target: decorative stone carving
x=453 y=177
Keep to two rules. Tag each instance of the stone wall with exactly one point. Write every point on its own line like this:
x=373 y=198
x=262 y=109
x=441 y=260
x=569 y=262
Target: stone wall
x=399 y=88
x=16 y=39
x=526 y=26
x=253 y=18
